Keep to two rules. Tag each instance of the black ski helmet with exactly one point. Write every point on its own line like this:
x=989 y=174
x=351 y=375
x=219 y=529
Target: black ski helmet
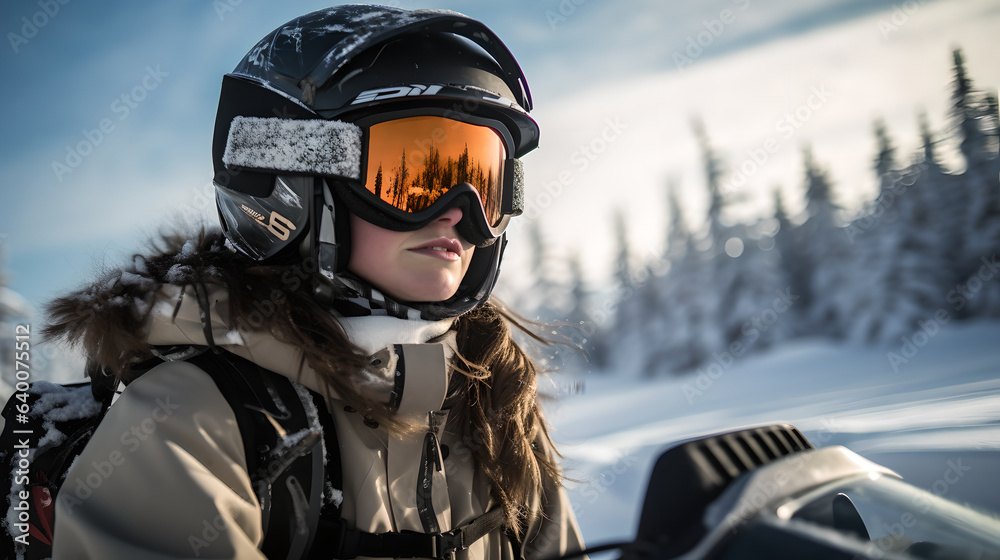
x=347 y=63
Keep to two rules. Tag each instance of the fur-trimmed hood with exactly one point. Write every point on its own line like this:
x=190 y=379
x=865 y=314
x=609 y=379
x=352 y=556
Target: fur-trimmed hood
x=109 y=318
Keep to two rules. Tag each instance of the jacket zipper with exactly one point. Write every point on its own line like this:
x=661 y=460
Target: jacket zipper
x=431 y=462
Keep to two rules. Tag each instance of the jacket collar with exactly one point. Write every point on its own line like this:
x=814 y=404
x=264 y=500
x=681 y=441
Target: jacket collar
x=176 y=319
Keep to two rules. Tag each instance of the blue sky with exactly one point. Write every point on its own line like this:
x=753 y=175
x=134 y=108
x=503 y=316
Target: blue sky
x=78 y=197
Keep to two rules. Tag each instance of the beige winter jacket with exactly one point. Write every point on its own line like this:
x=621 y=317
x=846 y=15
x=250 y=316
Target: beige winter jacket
x=165 y=474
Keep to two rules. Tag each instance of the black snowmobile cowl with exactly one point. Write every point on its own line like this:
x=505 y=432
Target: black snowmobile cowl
x=766 y=493
x=697 y=472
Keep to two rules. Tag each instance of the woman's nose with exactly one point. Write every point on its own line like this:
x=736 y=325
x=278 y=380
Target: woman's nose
x=450 y=218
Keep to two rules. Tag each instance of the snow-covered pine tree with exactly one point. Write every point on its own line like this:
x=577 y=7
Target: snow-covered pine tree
x=754 y=309
x=947 y=201
x=872 y=241
x=677 y=234
x=824 y=254
x=988 y=300
x=686 y=330
x=543 y=297
x=794 y=268
x=975 y=122
x=974 y=117
x=623 y=252
x=626 y=337
x=903 y=260
x=921 y=276
x=668 y=325
x=714 y=169
x=582 y=324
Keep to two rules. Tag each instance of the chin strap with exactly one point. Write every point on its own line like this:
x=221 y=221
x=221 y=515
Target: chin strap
x=354 y=297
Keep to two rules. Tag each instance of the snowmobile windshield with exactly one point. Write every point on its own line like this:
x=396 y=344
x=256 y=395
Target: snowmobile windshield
x=887 y=517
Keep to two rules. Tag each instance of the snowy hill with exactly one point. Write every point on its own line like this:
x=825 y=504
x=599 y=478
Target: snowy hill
x=942 y=405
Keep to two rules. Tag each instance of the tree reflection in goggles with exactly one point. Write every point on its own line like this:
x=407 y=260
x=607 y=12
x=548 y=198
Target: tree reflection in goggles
x=413 y=161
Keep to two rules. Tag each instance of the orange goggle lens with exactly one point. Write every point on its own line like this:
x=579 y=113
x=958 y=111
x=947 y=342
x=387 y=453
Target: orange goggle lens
x=413 y=161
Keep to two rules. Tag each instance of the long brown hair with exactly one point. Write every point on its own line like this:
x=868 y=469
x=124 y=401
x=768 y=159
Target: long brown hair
x=493 y=396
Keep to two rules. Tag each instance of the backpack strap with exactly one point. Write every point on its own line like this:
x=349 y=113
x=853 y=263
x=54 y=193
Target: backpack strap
x=282 y=446
x=335 y=539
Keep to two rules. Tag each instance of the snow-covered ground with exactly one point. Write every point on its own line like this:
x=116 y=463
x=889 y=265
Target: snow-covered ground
x=940 y=408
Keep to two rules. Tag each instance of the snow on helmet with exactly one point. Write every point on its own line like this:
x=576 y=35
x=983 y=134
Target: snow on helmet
x=303 y=116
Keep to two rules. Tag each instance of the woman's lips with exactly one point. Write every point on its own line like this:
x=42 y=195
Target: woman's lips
x=441 y=248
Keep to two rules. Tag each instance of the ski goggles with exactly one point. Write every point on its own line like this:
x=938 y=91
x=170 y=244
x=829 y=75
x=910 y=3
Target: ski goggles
x=401 y=169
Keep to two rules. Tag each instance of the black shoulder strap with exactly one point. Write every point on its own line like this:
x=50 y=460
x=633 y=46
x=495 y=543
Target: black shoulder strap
x=283 y=451
x=335 y=539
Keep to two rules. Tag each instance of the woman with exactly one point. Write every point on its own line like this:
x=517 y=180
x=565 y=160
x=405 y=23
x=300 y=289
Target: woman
x=366 y=168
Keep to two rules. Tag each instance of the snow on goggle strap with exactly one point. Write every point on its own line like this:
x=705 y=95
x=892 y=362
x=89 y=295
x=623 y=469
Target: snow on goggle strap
x=312 y=146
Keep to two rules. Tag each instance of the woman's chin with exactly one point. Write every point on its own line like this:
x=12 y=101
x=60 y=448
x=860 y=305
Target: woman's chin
x=434 y=289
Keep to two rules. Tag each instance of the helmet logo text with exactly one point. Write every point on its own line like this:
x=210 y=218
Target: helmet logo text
x=279 y=225
x=252 y=213
x=393 y=92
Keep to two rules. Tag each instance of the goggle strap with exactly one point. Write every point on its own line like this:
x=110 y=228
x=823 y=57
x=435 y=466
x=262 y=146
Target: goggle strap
x=515 y=169
x=327 y=229
x=312 y=146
